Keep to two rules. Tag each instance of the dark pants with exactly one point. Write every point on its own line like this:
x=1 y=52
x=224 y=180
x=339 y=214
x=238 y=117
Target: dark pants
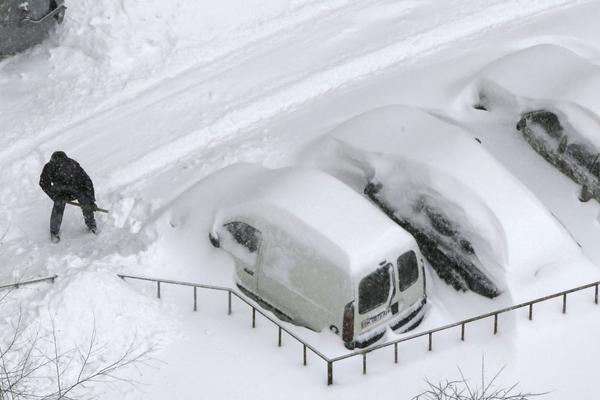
x=87 y=207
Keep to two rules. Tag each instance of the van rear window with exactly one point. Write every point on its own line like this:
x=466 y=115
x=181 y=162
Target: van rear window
x=408 y=270
x=374 y=289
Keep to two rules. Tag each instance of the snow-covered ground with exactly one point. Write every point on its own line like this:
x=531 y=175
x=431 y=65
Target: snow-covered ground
x=153 y=97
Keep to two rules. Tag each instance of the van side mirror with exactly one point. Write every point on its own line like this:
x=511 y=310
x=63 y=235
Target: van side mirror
x=214 y=240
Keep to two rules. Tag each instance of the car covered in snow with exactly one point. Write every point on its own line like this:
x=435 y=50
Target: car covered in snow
x=319 y=255
x=554 y=109
x=464 y=209
x=26 y=23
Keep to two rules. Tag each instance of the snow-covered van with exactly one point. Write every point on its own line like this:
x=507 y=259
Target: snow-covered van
x=319 y=255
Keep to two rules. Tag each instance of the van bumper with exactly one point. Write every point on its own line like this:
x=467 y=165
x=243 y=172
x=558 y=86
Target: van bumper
x=410 y=318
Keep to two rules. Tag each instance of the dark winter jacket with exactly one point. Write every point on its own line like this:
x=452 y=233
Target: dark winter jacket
x=63 y=179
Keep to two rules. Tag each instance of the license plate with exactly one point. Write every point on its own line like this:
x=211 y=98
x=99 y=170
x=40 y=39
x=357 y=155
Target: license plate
x=374 y=319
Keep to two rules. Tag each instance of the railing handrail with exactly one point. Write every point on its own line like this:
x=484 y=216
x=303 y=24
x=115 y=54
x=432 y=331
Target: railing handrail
x=233 y=292
x=364 y=352
x=173 y=282
x=466 y=321
x=23 y=283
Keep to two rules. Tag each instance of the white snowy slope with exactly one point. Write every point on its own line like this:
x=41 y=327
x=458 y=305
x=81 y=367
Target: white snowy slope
x=152 y=97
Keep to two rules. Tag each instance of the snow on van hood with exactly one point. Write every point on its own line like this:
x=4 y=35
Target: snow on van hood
x=414 y=151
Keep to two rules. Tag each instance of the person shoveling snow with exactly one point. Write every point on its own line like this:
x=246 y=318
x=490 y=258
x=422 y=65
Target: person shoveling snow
x=64 y=181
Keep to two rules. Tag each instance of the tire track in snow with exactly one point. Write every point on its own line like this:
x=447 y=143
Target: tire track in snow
x=275 y=28
x=244 y=118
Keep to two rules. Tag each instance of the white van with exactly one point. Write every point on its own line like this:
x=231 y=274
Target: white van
x=319 y=255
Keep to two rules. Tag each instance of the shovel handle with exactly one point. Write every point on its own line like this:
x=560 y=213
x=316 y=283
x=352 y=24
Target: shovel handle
x=73 y=203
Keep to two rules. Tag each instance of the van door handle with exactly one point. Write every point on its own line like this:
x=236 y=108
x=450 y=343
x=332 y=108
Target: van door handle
x=251 y=273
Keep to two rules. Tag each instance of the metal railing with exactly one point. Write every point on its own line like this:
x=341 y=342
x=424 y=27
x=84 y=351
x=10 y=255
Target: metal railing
x=16 y=285
x=364 y=352
x=230 y=293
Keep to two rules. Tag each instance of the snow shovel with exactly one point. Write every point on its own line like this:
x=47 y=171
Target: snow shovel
x=73 y=203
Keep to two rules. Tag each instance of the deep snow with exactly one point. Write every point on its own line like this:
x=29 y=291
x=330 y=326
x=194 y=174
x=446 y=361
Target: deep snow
x=152 y=97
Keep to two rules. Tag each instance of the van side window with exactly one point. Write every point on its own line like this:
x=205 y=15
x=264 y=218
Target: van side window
x=245 y=235
x=374 y=289
x=408 y=270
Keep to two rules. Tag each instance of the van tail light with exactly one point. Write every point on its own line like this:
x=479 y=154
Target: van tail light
x=348 y=324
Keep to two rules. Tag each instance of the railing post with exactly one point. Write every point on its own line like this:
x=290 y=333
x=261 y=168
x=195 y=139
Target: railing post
x=530 y=311
x=596 y=294
x=564 y=310
x=54 y=277
x=279 y=341
x=304 y=353
x=329 y=373
x=158 y=289
x=462 y=332
x=364 y=363
x=253 y=317
x=430 y=341
x=395 y=353
x=229 y=303
x=195 y=299
x=495 y=323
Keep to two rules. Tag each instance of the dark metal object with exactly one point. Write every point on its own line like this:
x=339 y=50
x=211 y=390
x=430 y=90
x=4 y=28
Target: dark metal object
x=531 y=311
x=395 y=353
x=304 y=354
x=16 y=285
x=364 y=363
x=462 y=332
x=24 y=24
x=495 y=323
x=195 y=299
x=229 y=303
x=58 y=13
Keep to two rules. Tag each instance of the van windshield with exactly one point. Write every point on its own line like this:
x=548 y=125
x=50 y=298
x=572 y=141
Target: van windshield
x=374 y=289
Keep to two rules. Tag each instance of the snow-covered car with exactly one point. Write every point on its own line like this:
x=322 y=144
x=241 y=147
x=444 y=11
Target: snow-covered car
x=555 y=109
x=464 y=209
x=26 y=23
x=319 y=255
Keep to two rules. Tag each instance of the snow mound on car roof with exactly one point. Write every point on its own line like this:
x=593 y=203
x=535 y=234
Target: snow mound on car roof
x=546 y=72
x=542 y=77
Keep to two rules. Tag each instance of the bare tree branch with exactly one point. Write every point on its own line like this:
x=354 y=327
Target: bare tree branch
x=26 y=368
x=460 y=389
